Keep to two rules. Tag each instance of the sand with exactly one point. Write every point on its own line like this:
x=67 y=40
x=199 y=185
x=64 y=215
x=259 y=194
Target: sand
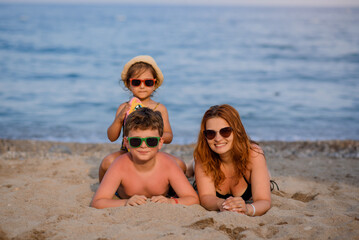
x=46 y=189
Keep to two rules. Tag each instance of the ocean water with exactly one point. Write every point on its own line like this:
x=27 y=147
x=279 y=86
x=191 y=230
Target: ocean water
x=292 y=73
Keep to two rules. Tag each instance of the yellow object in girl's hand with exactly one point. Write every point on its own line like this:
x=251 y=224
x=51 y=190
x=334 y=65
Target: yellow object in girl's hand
x=135 y=104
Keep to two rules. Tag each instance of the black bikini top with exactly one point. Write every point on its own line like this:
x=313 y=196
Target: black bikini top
x=246 y=195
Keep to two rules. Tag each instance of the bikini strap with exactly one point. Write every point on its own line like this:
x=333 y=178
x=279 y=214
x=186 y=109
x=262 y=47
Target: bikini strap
x=245 y=179
x=156 y=106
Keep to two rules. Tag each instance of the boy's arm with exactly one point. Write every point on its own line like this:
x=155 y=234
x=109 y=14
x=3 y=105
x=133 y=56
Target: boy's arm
x=185 y=192
x=167 y=131
x=114 y=130
x=107 y=189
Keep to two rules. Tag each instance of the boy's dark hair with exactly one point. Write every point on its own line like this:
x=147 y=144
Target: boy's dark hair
x=143 y=119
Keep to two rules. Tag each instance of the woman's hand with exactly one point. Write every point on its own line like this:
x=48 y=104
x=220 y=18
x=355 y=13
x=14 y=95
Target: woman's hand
x=220 y=203
x=235 y=204
x=136 y=200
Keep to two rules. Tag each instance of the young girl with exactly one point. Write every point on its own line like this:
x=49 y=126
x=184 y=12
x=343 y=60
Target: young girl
x=142 y=77
x=231 y=171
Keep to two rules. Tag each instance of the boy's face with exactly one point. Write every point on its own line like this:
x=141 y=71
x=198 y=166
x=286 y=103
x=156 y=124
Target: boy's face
x=143 y=152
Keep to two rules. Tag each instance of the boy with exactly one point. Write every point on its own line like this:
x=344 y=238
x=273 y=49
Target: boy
x=143 y=174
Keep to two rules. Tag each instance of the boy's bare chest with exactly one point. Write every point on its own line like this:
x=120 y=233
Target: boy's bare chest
x=149 y=184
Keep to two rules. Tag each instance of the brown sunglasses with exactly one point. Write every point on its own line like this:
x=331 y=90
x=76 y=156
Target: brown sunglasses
x=211 y=134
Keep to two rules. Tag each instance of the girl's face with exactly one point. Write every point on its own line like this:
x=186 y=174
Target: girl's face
x=143 y=92
x=219 y=144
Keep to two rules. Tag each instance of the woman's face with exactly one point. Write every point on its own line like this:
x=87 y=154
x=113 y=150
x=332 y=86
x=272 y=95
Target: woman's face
x=219 y=144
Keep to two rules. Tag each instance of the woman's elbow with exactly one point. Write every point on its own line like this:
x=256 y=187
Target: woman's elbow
x=266 y=205
x=208 y=204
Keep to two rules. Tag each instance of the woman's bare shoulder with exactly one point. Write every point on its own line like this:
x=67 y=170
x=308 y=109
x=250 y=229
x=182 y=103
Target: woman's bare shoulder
x=256 y=149
x=256 y=155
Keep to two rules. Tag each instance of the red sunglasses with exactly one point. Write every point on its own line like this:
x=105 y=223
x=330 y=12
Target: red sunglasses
x=137 y=82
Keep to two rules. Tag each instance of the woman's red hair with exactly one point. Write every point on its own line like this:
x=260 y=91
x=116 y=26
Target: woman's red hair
x=241 y=144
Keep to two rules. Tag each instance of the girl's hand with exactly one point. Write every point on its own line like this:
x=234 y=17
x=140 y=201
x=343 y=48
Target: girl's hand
x=122 y=114
x=160 y=199
x=136 y=200
x=235 y=204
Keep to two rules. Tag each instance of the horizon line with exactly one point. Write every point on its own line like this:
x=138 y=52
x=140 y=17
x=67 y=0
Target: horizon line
x=258 y=3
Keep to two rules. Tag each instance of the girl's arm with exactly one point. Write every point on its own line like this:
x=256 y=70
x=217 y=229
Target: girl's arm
x=114 y=130
x=167 y=131
x=185 y=192
x=207 y=190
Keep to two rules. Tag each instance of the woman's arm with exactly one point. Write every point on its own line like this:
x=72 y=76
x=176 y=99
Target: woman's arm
x=260 y=183
x=167 y=131
x=259 y=179
x=114 y=130
x=207 y=190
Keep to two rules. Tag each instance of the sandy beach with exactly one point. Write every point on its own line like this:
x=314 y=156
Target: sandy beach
x=46 y=189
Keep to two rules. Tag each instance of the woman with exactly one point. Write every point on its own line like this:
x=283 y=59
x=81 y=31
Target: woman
x=230 y=169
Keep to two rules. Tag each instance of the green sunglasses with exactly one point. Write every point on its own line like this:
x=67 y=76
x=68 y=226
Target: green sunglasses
x=136 y=142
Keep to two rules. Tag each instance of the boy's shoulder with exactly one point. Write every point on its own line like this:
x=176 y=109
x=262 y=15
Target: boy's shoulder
x=166 y=159
x=123 y=160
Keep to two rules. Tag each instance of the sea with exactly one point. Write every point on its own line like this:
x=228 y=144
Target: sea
x=291 y=72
